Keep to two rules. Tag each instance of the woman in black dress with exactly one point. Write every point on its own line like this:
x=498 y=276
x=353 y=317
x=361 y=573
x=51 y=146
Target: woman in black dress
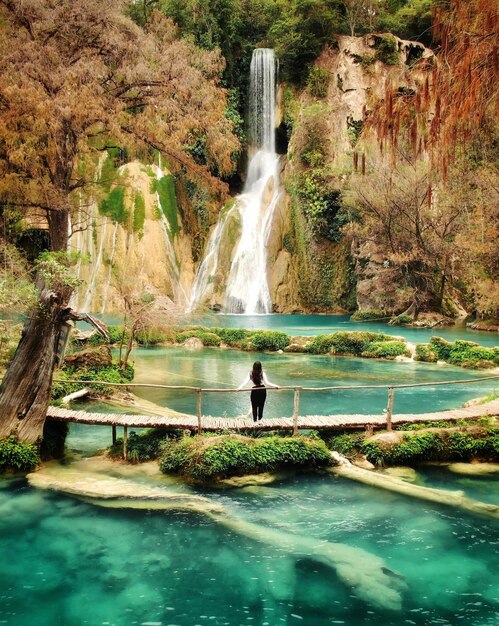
x=258 y=390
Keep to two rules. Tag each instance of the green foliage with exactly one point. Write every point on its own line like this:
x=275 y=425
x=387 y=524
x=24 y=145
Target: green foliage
x=318 y=81
x=322 y=204
x=10 y=335
x=347 y=444
x=114 y=206
x=144 y=446
x=116 y=334
x=368 y=316
x=400 y=320
x=478 y=443
x=413 y=449
x=468 y=354
x=464 y=353
x=365 y=61
x=425 y=354
x=150 y=336
x=110 y=374
x=210 y=339
x=290 y=110
x=222 y=456
x=165 y=188
x=354 y=130
x=299 y=33
x=386 y=49
x=232 y=113
x=468 y=446
x=386 y=350
x=17 y=290
x=346 y=342
x=56 y=268
x=313 y=136
x=139 y=213
x=16 y=455
x=440 y=347
x=269 y=340
x=232 y=336
x=109 y=169
x=410 y=20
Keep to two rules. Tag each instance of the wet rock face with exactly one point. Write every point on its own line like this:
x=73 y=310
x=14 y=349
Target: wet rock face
x=378 y=284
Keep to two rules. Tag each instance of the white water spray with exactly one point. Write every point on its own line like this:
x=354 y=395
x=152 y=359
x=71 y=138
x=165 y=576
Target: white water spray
x=247 y=288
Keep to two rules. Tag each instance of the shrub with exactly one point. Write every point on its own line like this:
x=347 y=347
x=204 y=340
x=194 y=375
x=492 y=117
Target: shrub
x=345 y=342
x=17 y=455
x=110 y=374
x=209 y=339
x=269 y=340
x=347 y=444
x=466 y=446
x=115 y=334
x=232 y=336
x=425 y=354
x=400 y=320
x=321 y=344
x=468 y=354
x=482 y=443
x=414 y=448
x=386 y=349
x=440 y=347
x=318 y=81
x=222 y=456
x=387 y=49
x=367 y=316
x=150 y=336
x=144 y=446
x=465 y=353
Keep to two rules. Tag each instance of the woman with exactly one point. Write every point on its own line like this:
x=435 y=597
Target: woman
x=258 y=391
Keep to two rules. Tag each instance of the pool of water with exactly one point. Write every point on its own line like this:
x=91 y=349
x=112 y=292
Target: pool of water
x=228 y=368
x=308 y=325
x=68 y=562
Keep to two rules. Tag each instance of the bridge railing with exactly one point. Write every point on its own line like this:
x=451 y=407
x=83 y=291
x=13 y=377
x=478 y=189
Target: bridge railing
x=298 y=390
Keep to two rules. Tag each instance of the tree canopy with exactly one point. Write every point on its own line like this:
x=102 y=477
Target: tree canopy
x=78 y=76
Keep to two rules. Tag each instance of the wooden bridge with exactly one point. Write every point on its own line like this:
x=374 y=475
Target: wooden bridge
x=200 y=422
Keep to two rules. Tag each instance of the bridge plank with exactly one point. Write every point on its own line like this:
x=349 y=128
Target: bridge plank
x=210 y=423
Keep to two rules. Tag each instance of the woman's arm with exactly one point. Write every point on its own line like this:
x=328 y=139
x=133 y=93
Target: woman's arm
x=246 y=382
x=267 y=382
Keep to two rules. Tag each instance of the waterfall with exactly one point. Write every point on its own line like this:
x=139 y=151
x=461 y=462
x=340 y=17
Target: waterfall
x=247 y=288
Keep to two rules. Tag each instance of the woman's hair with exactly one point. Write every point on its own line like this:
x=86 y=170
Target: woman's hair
x=256 y=374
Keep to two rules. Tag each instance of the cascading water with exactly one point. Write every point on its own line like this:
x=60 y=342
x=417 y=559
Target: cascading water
x=247 y=288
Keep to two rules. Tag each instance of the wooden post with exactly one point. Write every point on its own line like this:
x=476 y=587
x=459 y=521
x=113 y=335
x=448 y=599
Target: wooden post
x=389 y=408
x=296 y=410
x=125 y=440
x=200 y=427
x=114 y=434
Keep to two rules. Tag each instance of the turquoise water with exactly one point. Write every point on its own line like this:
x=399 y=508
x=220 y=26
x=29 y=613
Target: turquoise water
x=228 y=369
x=67 y=562
x=324 y=324
x=308 y=325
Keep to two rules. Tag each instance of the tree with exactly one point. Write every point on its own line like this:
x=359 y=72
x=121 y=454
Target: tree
x=413 y=224
x=75 y=77
x=359 y=12
x=143 y=309
x=458 y=96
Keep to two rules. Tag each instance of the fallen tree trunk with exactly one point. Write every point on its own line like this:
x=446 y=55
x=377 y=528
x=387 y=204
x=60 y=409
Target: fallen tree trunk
x=455 y=499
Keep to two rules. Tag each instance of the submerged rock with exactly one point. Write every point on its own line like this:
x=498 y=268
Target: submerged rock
x=408 y=474
x=474 y=469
